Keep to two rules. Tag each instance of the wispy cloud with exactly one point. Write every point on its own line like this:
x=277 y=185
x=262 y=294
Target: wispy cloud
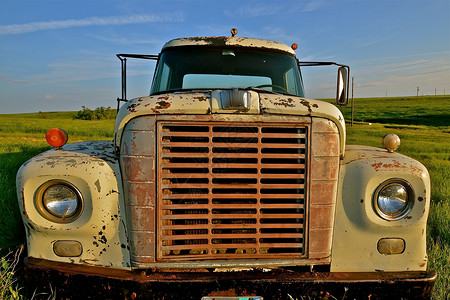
x=313 y=5
x=278 y=34
x=402 y=78
x=92 y=21
x=258 y=9
x=255 y=10
x=394 y=76
x=419 y=64
x=130 y=41
x=8 y=79
x=77 y=70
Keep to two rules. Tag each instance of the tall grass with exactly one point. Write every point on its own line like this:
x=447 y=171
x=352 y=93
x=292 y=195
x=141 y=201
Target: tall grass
x=438 y=240
x=12 y=156
x=9 y=283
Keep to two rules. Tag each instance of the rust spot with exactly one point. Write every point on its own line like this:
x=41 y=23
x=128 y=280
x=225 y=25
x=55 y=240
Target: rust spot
x=228 y=293
x=394 y=165
x=201 y=98
x=420 y=199
x=285 y=102
x=112 y=192
x=166 y=97
x=98 y=186
x=163 y=105
x=306 y=103
x=103 y=239
x=132 y=107
x=30 y=226
x=23 y=203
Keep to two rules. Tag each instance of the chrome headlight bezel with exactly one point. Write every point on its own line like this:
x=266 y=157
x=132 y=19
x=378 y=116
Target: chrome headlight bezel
x=383 y=190
x=53 y=215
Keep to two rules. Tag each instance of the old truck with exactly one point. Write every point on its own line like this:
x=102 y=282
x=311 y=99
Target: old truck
x=226 y=183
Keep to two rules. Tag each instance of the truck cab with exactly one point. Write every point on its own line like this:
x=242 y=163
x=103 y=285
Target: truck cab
x=227 y=183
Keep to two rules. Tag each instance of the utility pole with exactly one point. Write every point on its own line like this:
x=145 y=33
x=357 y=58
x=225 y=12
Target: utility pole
x=417 y=92
x=353 y=85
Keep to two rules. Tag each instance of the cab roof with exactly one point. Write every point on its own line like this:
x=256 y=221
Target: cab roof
x=217 y=41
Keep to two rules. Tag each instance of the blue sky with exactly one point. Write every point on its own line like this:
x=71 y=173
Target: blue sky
x=60 y=55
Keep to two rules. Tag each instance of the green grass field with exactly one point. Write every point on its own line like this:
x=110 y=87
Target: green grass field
x=423 y=124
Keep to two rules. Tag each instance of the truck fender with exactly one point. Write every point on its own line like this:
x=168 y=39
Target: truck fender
x=359 y=230
x=98 y=235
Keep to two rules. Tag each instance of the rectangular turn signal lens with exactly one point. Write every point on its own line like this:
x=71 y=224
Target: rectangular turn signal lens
x=390 y=246
x=67 y=248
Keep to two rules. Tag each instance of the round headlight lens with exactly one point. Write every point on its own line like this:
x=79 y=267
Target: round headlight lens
x=393 y=199
x=59 y=201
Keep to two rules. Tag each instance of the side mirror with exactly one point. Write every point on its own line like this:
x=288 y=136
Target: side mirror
x=342 y=86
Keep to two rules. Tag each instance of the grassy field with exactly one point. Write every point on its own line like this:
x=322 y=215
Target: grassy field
x=423 y=124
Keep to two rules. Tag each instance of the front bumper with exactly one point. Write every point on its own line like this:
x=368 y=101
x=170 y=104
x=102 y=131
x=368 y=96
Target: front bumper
x=70 y=281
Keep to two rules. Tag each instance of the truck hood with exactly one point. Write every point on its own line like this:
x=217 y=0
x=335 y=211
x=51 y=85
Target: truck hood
x=212 y=102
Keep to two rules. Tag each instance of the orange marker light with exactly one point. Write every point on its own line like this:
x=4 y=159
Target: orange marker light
x=56 y=137
x=294 y=46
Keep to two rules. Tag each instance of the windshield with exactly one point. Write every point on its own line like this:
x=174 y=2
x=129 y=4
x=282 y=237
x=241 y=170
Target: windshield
x=214 y=68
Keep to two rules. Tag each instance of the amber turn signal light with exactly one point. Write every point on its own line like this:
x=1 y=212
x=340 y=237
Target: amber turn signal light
x=56 y=137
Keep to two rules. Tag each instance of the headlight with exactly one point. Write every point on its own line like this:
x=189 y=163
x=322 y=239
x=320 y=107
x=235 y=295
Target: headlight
x=59 y=201
x=393 y=199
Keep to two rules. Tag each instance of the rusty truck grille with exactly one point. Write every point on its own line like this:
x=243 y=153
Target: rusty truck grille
x=231 y=191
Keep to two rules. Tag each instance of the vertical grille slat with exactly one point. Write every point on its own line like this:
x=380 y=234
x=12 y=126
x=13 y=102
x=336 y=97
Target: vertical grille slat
x=231 y=191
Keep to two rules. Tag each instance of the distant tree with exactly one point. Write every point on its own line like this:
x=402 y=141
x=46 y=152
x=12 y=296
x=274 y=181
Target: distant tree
x=100 y=113
x=43 y=115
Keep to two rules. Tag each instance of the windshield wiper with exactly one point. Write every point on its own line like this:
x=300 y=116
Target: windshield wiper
x=262 y=90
